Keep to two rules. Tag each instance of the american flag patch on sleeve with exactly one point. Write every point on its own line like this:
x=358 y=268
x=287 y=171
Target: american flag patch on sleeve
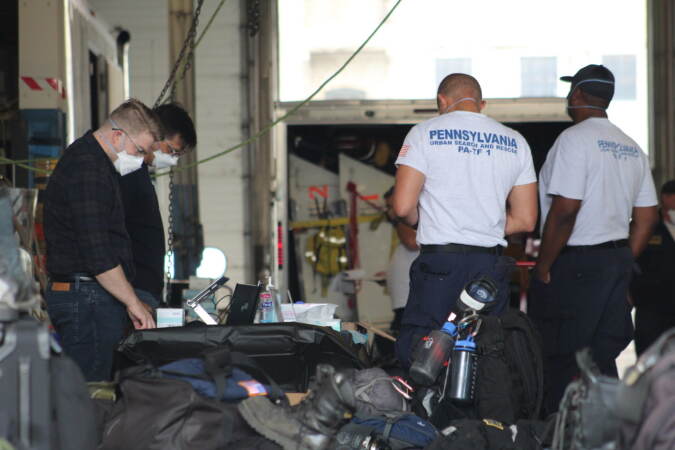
x=404 y=150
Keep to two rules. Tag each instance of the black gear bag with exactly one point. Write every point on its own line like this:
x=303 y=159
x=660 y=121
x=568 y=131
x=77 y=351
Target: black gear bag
x=289 y=352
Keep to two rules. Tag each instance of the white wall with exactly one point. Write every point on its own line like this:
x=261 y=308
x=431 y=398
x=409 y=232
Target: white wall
x=218 y=118
x=220 y=107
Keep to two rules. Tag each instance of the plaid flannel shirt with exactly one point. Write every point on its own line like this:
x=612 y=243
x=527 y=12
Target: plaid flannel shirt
x=83 y=213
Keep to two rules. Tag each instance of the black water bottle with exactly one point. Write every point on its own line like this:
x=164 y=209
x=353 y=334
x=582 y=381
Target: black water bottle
x=463 y=371
x=431 y=354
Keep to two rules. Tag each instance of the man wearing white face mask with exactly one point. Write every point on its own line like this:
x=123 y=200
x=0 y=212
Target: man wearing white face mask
x=598 y=209
x=465 y=181
x=89 y=297
x=141 y=208
x=653 y=285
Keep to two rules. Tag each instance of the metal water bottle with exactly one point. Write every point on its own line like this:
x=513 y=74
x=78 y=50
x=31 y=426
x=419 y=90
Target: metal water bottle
x=463 y=371
x=432 y=353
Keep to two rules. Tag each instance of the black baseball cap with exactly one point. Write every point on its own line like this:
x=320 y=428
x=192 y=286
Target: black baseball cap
x=593 y=79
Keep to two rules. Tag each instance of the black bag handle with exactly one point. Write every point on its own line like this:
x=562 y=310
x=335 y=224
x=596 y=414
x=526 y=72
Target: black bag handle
x=218 y=363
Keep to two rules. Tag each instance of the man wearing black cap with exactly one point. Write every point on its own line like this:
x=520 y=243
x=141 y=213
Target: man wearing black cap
x=598 y=209
x=653 y=285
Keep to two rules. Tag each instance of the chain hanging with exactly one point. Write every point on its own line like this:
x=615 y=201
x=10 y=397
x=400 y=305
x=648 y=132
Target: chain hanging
x=189 y=43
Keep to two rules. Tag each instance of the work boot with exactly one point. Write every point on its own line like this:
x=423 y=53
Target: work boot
x=310 y=424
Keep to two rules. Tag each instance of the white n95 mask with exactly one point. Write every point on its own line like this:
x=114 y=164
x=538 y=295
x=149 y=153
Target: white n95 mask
x=126 y=163
x=163 y=160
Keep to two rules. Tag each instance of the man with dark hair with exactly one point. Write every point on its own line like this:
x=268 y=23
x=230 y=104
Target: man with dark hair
x=598 y=209
x=653 y=285
x=467 y=181
x=88 y=249
x=141 y=208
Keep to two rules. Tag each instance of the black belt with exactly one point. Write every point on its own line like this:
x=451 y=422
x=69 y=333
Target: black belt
x=460 y=248
x=71 y=278
x=621 y=243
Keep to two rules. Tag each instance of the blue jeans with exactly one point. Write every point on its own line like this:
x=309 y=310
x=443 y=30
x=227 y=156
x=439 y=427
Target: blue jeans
x=90 y=323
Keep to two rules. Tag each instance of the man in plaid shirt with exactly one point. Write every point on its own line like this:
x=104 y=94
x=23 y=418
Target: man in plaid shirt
x=89 y=259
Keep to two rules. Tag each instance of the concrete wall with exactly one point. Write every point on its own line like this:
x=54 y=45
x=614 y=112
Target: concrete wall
x=219 y=111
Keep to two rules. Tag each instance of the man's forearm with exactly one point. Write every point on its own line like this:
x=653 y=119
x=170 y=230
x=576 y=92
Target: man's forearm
x=411 y=218
x=115 y=282
x=407 y=236
x=557 y=231
x=641 y=229
x=521 y=209
x=516 y=225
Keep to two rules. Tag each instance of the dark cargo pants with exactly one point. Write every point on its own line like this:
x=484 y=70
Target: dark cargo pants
x=436 y=280
x=584 y=305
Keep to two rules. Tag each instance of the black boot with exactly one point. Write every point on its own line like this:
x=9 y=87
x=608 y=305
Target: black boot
x=310 y=424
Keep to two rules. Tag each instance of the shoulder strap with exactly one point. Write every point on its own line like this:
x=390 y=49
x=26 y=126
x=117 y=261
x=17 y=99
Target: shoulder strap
x=362 y=391
x=218 y=363
x=389 y=424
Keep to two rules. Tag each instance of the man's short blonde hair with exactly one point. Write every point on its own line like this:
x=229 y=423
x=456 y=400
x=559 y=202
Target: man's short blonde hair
x=136 y=118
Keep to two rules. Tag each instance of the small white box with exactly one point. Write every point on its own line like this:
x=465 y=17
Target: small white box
x=170 y=317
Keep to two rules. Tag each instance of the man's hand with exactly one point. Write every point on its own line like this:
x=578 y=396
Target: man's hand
x=147 y=307
x=115 y=282
x=140 y=316
x=542 y=274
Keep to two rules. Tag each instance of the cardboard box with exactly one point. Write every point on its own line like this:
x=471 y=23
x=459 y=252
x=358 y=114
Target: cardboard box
x=296 y=397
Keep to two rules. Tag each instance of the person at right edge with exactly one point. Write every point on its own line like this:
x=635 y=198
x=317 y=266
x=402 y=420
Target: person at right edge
x=598 y=210
x=653 y=286
x=465 y=181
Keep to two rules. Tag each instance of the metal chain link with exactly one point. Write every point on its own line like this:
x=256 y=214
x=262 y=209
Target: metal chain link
x=191 y=55
x=169 y=240
x=188 y=43
x=253 y=17
x=171 y=82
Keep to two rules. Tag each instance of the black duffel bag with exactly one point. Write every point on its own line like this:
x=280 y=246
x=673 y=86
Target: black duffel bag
x=155 y=413
x=289 y=351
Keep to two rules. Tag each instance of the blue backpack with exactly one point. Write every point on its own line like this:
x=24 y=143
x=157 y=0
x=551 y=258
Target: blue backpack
x=406 y=431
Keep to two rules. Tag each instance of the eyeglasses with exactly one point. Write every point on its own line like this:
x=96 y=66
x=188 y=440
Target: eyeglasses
x=175 y=152
x=139 y=149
